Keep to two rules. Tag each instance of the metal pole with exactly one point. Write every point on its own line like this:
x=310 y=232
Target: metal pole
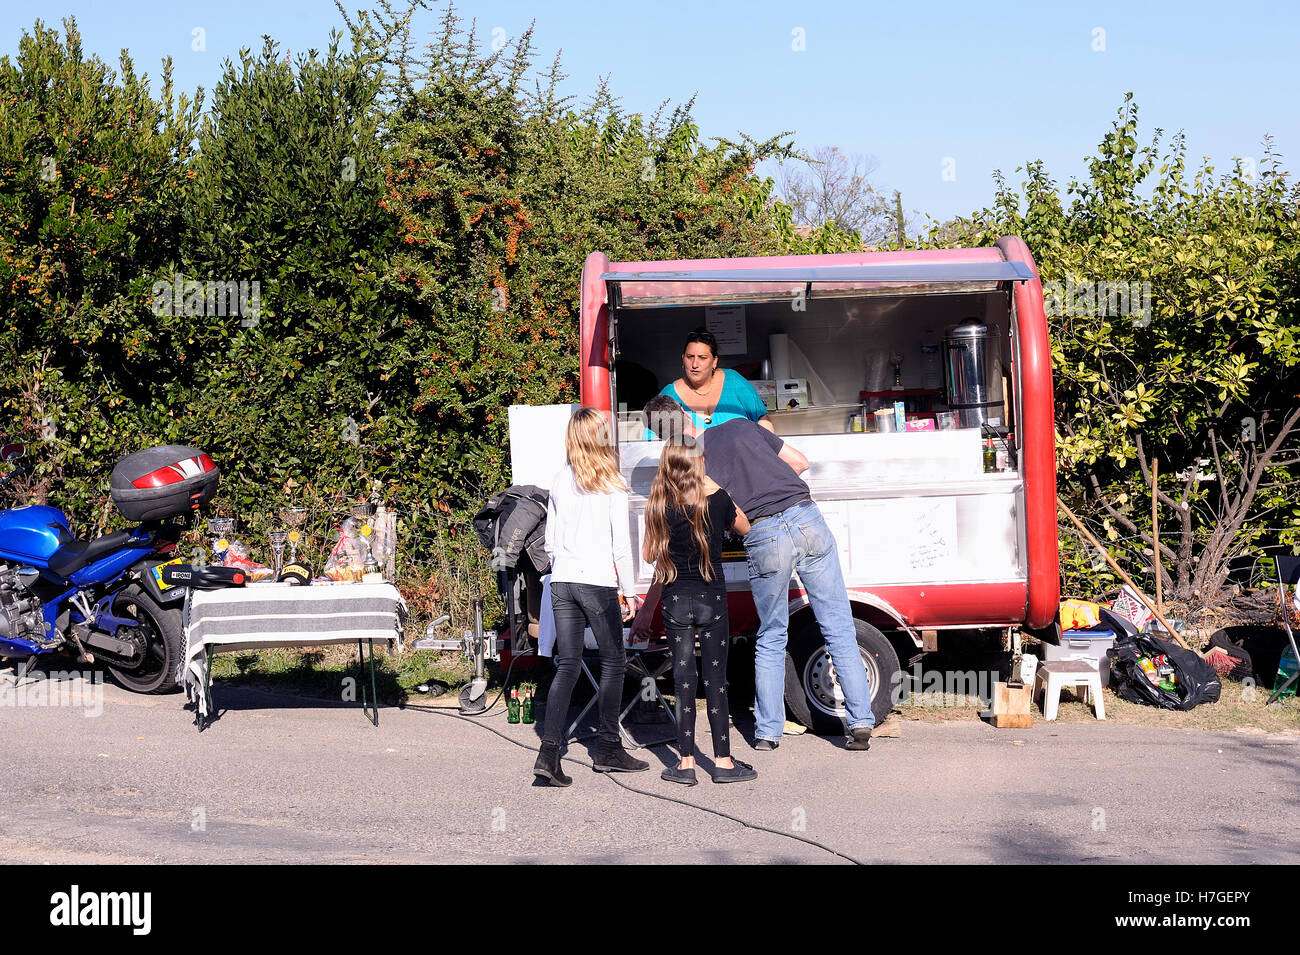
x=1123 y=576
x=1155 y=533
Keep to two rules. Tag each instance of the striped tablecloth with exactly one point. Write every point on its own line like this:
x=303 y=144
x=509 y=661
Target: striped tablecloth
x=284 y=615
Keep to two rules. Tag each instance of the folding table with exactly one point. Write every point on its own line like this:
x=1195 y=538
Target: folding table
x=261 y=616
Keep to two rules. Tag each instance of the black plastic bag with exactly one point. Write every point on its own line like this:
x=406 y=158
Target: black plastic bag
x=1197 y=682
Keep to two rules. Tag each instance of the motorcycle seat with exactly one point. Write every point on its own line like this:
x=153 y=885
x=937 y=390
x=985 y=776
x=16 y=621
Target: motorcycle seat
x=74 y=555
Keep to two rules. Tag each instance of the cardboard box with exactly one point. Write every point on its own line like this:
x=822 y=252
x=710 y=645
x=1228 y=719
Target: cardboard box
x=792 y=390
x=767 y=391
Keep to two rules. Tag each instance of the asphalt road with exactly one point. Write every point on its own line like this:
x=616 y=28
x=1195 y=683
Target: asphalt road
x=281 y=779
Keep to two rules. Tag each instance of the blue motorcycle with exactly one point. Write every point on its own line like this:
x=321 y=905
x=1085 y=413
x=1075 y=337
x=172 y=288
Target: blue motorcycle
x=104 y=599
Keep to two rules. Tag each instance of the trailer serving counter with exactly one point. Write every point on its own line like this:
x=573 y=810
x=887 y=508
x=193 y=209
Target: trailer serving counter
x=910 y=508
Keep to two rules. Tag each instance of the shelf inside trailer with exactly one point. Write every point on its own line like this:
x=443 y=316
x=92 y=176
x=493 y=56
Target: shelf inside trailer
x=1000 y=483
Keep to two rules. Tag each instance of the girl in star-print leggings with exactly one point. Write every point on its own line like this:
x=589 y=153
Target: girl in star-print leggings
x=691 y=610
x=686 y=517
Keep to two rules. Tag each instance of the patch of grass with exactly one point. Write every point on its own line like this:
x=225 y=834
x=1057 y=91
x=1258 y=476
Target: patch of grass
x=1239 y=708
x=321 y=671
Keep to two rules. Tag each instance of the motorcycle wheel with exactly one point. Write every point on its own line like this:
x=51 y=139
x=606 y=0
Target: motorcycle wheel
x=160 y=632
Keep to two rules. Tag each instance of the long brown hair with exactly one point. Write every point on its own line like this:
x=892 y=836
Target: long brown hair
x=679 y=482
x=590 y=454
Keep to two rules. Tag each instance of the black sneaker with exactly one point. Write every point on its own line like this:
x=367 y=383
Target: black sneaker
x=739 y=773
x=765 y=745
x=684 y=776
x=861 y=738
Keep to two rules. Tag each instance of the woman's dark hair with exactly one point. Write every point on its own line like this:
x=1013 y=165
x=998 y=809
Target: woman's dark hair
x=704 y=337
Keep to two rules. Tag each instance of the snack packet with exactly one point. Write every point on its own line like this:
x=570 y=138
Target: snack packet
x=346 y=561
x=237 y=555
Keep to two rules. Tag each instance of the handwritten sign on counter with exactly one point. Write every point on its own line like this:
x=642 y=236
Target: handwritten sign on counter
x=901 y=540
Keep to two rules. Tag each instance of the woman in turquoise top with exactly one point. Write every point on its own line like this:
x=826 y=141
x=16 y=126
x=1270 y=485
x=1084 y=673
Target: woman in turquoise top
x=711 y=394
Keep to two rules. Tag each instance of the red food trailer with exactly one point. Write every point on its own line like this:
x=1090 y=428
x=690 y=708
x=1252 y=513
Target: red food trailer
x=931 y=539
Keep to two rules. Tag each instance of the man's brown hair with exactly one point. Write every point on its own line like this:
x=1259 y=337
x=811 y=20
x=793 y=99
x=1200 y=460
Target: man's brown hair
x=666 y=418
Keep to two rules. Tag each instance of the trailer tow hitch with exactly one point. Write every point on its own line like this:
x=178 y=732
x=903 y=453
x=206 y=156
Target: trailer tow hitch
x=477 y=647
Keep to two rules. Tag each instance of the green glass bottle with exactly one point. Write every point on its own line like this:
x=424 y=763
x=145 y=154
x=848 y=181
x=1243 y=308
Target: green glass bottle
x=526 y=710
x=512 y=707
x=1286 y=667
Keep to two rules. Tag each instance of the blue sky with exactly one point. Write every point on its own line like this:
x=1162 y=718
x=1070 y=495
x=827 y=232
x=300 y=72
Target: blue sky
x=913 y=84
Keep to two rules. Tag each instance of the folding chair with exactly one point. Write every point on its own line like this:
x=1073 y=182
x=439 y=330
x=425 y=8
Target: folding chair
x=637 y=666
x=1288 y=572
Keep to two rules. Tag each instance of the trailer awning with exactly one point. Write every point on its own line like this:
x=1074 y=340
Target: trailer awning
x=654 y=289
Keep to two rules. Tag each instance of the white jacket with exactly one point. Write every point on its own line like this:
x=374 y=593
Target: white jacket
x=587 y=536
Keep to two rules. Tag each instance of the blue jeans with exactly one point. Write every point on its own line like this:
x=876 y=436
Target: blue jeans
x=798 y=539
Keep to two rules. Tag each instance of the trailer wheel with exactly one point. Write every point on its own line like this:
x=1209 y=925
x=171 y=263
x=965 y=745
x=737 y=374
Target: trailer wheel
x=813 y=693
x=472 y=704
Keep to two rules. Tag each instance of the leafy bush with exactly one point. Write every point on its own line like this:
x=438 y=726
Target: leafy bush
x=92 y=187
x=1197 y=364
x=368 y=257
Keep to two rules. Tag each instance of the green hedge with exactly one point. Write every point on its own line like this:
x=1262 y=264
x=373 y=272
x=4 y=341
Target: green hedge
x=407 y=233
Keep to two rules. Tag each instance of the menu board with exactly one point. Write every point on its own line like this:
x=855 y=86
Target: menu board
x=727 y=323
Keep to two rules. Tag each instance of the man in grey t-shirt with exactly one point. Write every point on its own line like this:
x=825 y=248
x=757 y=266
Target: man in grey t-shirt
x=787 y=534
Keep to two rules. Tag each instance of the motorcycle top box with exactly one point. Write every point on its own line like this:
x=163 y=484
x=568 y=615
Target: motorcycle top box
x=163 y=482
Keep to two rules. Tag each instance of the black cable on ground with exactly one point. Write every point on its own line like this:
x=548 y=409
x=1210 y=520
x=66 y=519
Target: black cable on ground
x=681 y=802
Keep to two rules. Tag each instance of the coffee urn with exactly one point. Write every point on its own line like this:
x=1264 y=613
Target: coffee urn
x=972 y=374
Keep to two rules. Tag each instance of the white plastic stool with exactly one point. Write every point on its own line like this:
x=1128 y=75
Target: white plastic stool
x=1055 y=674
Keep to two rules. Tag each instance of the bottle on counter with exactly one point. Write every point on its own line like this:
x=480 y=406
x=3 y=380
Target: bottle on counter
x=990 y=457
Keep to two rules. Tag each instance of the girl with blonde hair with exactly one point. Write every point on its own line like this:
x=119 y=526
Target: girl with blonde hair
x=590 y=549
x=686 y=517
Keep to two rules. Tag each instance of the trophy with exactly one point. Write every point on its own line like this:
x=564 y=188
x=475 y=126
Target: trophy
x=278 y=539
x=295 y=517
x=221 y=529
x=381 y=541
x=361 y=514
x=897 y=361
